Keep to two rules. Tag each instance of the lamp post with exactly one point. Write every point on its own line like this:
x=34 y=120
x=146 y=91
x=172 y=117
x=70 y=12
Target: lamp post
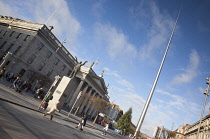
x=64 y=41
x=206 y=93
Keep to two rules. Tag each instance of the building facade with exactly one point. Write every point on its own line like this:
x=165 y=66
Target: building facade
x=204 y=133
x=38 y=56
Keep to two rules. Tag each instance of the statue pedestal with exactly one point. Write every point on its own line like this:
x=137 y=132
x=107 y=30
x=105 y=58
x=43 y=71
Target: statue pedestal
x=61 y=92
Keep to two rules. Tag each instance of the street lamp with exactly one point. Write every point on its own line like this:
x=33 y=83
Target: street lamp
x=206 y=93
x=64 y=41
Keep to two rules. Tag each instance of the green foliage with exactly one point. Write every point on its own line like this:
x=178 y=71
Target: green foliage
x=125 y=121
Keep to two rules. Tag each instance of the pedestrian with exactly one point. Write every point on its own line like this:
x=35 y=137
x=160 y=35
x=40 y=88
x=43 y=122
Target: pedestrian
x=105 y=129
x=38 y=92
x=2 y=71
x=15 y=83
x=46 y=100
x=7 y=75
x=45 y=104
x=18 y=85
x=52 y=110
x=23 y=86
x=49 y=96
x=82 y=122
x=11 y=77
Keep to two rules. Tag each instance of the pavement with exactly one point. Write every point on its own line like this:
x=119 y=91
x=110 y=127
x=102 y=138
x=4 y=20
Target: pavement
x=21 y=119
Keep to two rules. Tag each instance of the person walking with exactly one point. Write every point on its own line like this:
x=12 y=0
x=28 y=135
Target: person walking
x=52 y=110
x=46 y=100
x=82 y=122
x=105 y=129
x=15 y=83
x=38 y=92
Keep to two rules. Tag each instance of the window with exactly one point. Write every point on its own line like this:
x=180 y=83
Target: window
x=31 y=59
x=3 y=44
x=5 y=33
x=49 y=72
x=18 y=36
x=49 y=54
x=64 y=66
x=39 y=47
x=56 y=61
x=68 y=74
x=11 y=34
x=17 y=50
x=9 y=47
x=26 y=37
x=41 y=66
x=21 y=73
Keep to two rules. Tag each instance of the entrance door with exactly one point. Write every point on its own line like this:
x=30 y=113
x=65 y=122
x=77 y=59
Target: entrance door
x=21 y=73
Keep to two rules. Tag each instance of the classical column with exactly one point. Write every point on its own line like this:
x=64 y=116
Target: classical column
x=83 y=91
x=76 y=93
x=93 y=113
x=85 y=101
x=89 y=103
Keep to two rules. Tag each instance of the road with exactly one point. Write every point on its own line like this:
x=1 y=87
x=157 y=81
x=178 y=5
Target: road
x=20 y=119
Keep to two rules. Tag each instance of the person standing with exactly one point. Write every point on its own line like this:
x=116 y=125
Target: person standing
x=2 y=71
x=82 y=122
x=105 y=129
x=52 y=110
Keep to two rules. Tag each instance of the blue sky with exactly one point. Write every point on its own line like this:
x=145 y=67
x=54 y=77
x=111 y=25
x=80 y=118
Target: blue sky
x=129 y=37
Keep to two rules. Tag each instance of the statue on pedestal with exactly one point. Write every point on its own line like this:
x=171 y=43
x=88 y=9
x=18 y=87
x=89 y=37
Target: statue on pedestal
x=76 y=68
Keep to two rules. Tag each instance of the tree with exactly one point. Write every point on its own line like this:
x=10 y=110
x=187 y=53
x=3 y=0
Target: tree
x=172 y=134
x=99 y=105
x=125 y=121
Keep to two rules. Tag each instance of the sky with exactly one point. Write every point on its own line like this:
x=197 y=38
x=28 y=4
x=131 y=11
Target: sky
x=129 y=37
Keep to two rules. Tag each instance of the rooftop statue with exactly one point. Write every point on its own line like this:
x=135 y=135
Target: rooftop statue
x=76 y=68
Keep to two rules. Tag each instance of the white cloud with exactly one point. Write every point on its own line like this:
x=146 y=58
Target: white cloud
x=119 y=79
x=97 y=8
x=115 y=42
x=180 y=103
x=65 y=25
x=191 y=70
x=158 y=33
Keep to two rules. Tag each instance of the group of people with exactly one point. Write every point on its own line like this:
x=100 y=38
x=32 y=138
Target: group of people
x=17 y=83
x=20 y=85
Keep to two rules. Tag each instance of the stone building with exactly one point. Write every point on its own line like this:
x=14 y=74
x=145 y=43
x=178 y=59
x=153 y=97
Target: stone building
x=181 y=130
x=191 y=132
x=38 y=56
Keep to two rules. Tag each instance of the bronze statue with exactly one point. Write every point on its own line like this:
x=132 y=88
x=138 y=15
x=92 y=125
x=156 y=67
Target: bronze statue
x=76 y=68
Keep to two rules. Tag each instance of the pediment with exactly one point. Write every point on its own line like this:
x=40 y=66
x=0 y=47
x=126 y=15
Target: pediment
x=100 y=82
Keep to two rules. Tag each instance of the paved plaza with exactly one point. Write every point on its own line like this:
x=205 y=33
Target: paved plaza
x=20 y=119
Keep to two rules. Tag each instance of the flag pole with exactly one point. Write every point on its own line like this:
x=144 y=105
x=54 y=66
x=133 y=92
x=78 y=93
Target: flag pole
x=95 y=62
x=141 y=119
